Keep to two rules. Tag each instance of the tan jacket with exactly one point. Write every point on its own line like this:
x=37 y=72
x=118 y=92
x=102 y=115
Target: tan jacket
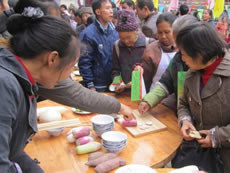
x=210 y=108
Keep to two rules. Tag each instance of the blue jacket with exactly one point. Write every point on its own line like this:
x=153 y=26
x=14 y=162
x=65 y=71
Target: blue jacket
x=96 y=65
x=18 y=120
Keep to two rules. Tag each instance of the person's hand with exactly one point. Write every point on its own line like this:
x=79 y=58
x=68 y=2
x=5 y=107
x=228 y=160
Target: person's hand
x=139 y=68
x=93 y=89
x=205 y=142
x=143 y=107
x=120 y=89
x=186 y=127
x=5 y=4
x=127 y=112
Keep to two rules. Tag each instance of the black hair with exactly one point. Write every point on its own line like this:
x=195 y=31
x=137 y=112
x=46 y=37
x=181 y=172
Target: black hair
x=183 y=9
x=97 y=4
x=63 y=6
x=77 y=13
x=34 y=36
x=166 y=17
x=201 y=39
x=90 y=20
x=45 y=5
x=209 y=12
x=148 y=3
x=113 y=4
x=130 y=3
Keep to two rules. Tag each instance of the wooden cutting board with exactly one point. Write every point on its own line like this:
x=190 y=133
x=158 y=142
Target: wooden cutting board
x=141 y=120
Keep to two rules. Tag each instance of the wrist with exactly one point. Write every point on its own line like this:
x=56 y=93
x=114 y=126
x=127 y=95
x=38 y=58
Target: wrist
x=90 y=85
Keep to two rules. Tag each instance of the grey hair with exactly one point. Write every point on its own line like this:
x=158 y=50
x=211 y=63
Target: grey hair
x=183 y=21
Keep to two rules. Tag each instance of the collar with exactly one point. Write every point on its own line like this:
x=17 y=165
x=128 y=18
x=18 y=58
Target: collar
x=105 y=28
x=26 y=70
x=223 y=69
x=149 y=16
x=11 y=64
x=141 y=41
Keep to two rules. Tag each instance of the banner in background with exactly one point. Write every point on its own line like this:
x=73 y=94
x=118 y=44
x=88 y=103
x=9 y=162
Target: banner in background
x=218 y=8
x=173 y=5
x=155 y=2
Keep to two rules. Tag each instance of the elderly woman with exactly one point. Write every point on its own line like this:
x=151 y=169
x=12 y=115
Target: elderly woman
x=204 y=105
x=129 y=49
x=168 y=82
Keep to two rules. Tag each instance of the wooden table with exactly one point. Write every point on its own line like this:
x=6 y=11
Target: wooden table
x=155 y=149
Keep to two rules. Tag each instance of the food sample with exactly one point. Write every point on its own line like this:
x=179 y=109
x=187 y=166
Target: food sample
x=128 y=123
x=70 y=138
x=195 y=134
x=88 y=148
x=110 y=165
x=101 y=159
x=80 y=131
x=84 y=140
x=95 y=155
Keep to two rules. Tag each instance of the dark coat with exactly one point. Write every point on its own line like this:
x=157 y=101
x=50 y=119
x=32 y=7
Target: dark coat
x=96 y=65
x=18 y=120
x=210 y=108
x=128 y=57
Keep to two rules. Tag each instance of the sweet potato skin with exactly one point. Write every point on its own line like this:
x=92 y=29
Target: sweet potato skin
x=110 y=165
x=105 y=157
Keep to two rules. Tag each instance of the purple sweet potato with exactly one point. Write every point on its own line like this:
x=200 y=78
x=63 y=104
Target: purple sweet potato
x=101 y=159
x=95 y=155
x=80 y=131
x=110 y=165
x=128 y=123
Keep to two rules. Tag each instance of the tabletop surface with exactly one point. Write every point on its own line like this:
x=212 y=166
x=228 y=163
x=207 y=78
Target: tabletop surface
x=56 y=155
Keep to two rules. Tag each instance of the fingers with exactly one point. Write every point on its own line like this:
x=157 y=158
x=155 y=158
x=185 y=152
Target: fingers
x=143 y=107
x=127 y=118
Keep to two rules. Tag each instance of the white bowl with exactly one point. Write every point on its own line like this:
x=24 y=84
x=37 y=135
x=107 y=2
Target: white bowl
x=114 y=141
x=56 y=132
x=102 y=123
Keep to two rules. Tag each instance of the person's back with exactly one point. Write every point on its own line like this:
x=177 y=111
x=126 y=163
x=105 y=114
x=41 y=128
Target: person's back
x=96 y=66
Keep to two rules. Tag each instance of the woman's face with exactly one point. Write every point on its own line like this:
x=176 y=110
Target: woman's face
x=165 y=33
x=194 y=64
x=128 y=38
x=206 y=16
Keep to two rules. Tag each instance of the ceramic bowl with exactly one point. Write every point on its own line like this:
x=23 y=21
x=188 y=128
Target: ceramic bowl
x=102 y=123
x=56 y=132
x=114 y=141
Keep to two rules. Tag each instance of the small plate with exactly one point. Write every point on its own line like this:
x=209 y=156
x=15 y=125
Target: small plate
x=78 y=111
x=135 y=168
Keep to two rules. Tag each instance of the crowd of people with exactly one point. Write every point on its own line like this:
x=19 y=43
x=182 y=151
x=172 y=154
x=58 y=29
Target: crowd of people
x=41 y=41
